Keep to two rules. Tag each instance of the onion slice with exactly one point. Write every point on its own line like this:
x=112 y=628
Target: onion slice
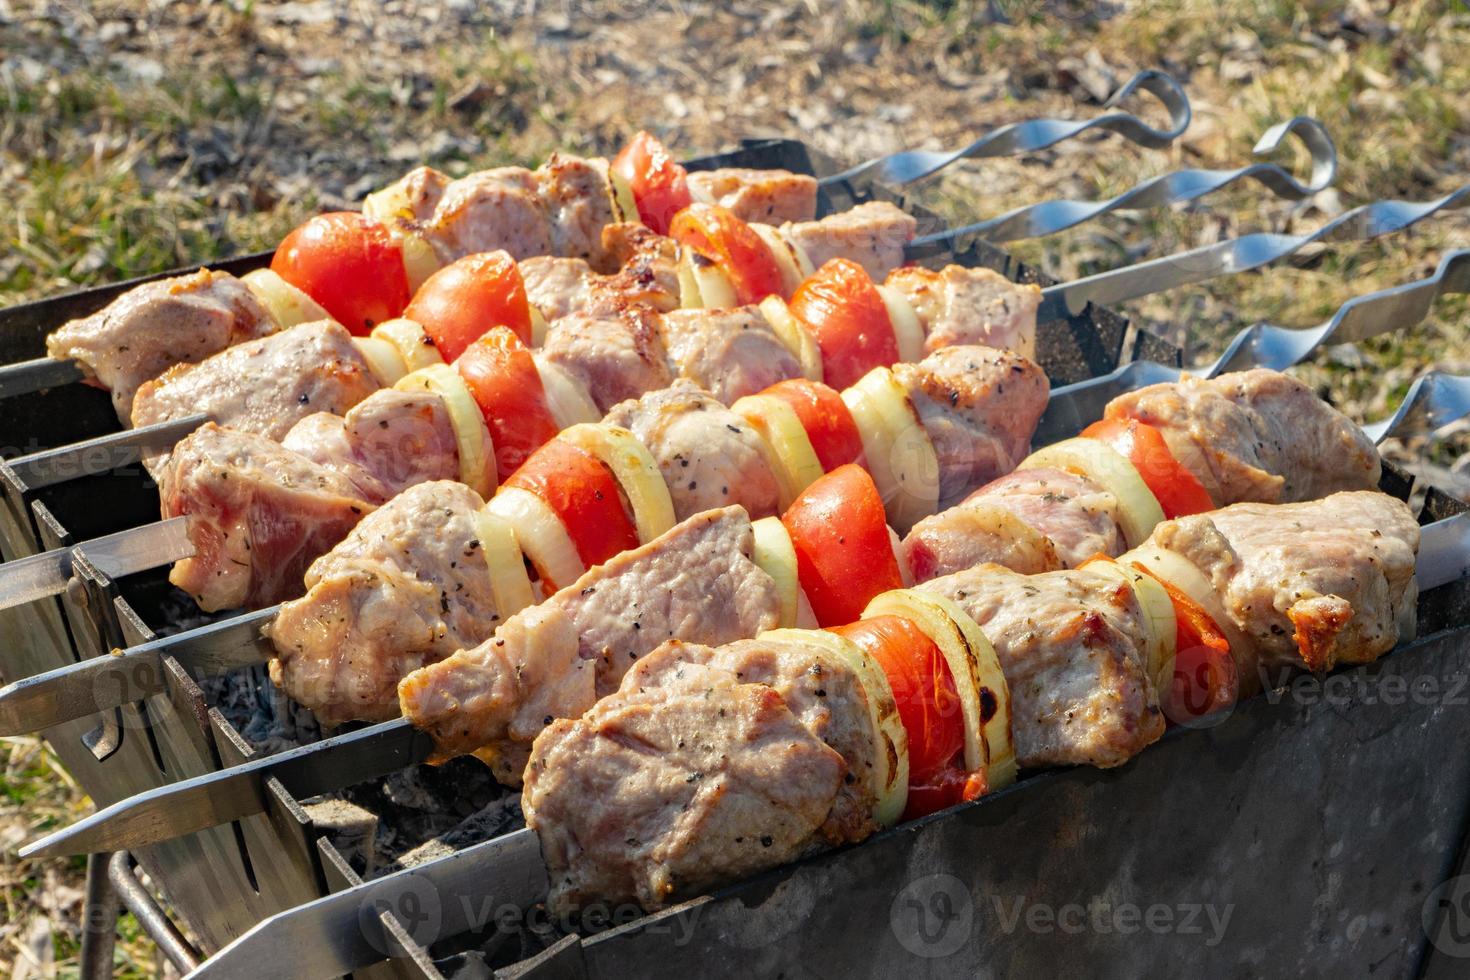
x=985 y=697
x=899 y=453
x=783 y=254
x=890 y=775
x=411 y=342
x=907 y=330
x=634 y=469
x=1184 y=575
x=384 y=359
x=776 y=556
x=1158 y=614
x=476 y=451
x=702 y=284
x=287 y=305
x=795 y=461
x=625 y=205
x=541 y=535
x=1138 y=510
x=538 y=327
x=420 y=261
x=794 y=334
x=509 y=582
x=566 y=397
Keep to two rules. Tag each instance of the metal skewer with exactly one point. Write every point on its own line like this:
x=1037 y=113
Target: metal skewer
x=908 y=166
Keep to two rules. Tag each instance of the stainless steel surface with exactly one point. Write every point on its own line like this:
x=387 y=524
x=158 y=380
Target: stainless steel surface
x=1178 y=187
x=34 y=375
x=1434 y=401
x=103 y=453
x=99 y=921
x=908 y=166
x=233 y=793
x=1356 y=320
x=1444 y=552
x=135 y=898
x=343 y=932
x=38 y=702
x=1235 y=255
x=124 y=553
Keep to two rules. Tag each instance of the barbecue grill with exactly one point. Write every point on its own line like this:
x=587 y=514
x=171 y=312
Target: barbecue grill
x=1326 y=826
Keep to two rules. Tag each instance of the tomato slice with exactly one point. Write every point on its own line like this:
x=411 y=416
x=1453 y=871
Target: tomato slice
x=1178 y=491
x=731 y=244
x=826 y=418
x=583 y=493
x=349 y=264
x=466 y=298
x=843 y=553
x=659 y=184
x=1205 y=675
x=847 y=318
x=503 y=379
x=943 y=790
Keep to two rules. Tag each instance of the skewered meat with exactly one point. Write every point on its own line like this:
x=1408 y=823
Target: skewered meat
x=262 y=386
x=960 y=305
x=413 y=196
x=873 y=235
x=706 y=765
x=1256 y=435
x=386 y=443
x=1312 y=584
x=979 y=407
x=407 y=587
x=615 y=357
x=1069 y=519
x=696 y=582
x=708 y=455
x=258 y=515
x=729 y=353
x=148 y=329
x=647 y=276
x=557 y=286
x=578 y=197
x=1072 y=646
x=767 y=196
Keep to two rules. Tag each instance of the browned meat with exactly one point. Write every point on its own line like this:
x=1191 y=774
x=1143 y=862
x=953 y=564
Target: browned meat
x=872 y=235
x=696 y=583
x=972 y=533
x=708 y=455
x=980 y=407
x=258 y=516
x=1308 y=584
x=263 y=386
x=386 y=443
x=647 y=276
x=729 y=353
x=578 y=201
x=1072 y=647
x=1256 y=435
x=615 y=357
x=408 y=587
x=557 y=287
x=769 y=196
x=413 y=197
x=1079 y=517
x=705 y=766
x=490 y=210
x=149 y=329
x=660 y=793
x=960 y=305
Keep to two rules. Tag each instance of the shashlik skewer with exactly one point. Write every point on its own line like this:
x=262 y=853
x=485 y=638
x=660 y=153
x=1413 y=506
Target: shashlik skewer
x=470 y=703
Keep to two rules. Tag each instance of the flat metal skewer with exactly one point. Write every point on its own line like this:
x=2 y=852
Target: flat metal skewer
x=43 y=372
x=123 y=553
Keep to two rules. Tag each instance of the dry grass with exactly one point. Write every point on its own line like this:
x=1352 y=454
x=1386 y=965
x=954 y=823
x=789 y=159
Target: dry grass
x=135 y=137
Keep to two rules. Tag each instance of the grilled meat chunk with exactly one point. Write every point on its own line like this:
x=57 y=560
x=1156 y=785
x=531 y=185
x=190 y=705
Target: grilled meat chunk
x=960 y=305
x=696 y=583
x=729 y=353
x=258 y=516
x=708 y=455
x=873 y=235
x=1256 y=435
x=577 y=196
x=556 y=286
x=980 y=407
x=647 y=276
x=1312 y=584
x=1072 y=646
x=768 y=196
x=414 y=196
x=615 y=357
x=407 y=587
x=263 y=386
x=149 y=329
x=707 y=765
x=386 y=443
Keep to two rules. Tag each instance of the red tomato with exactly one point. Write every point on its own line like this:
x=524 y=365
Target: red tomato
x=944 y=789
x=843 y=554
x=1205 y=676
x=1178 y=491
x=824 y=415
x=659 y=185
x=847 y=318
x=500 y=373
x=584 y=494
x=350 y=265
x=469 y=296
x=725 y=240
